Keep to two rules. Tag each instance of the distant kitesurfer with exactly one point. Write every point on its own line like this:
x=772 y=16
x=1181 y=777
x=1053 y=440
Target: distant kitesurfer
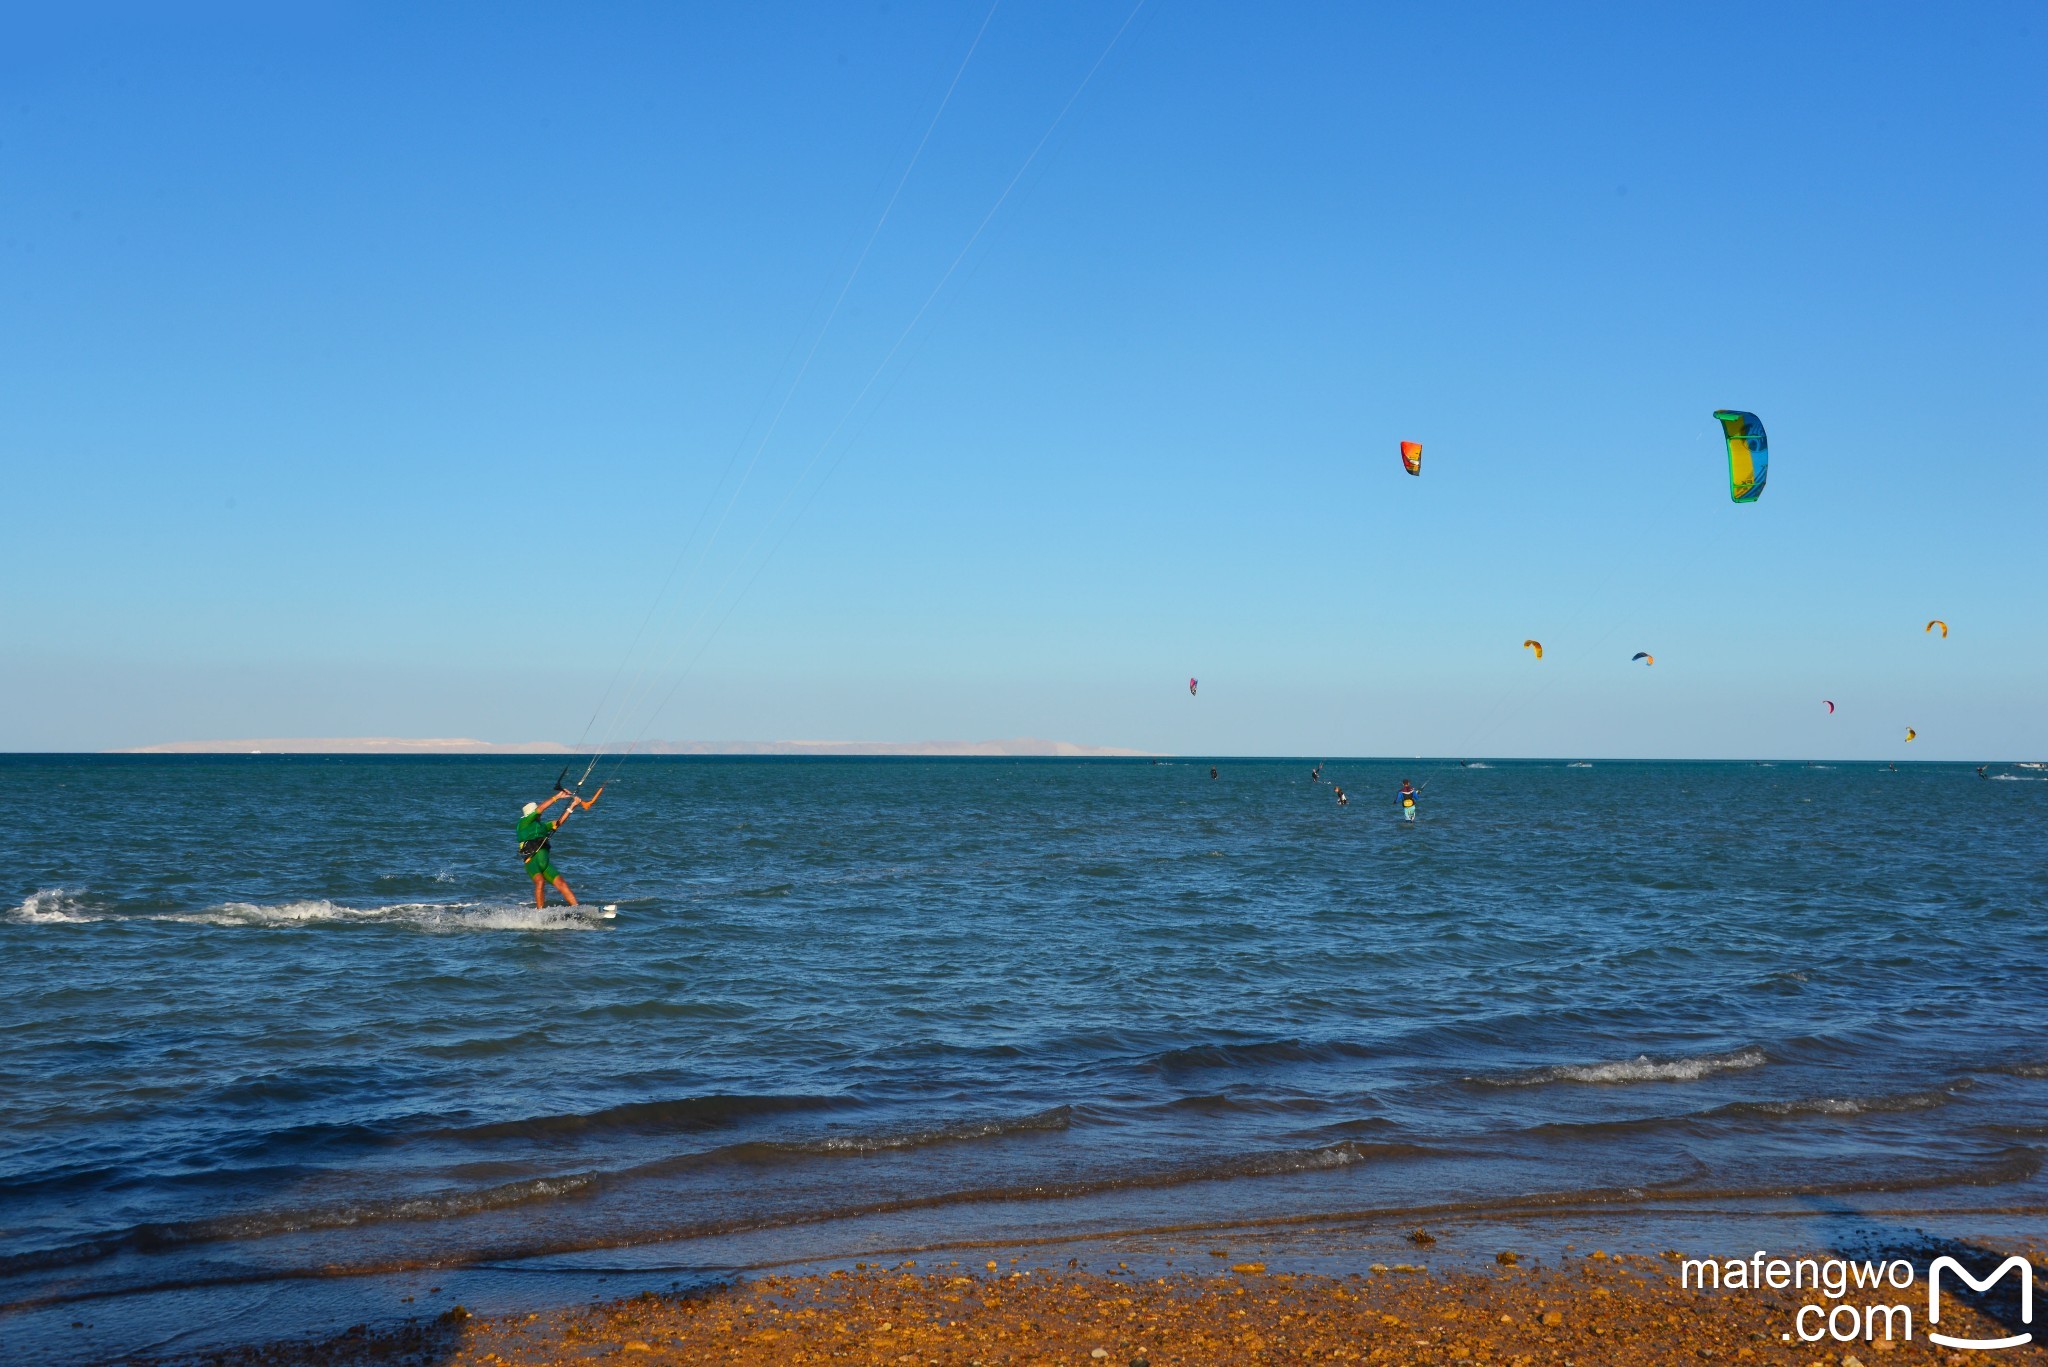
x=1212 y=771
x=1981 y=773
x=534 y=832
x=1342 y=801
x=1407 y=800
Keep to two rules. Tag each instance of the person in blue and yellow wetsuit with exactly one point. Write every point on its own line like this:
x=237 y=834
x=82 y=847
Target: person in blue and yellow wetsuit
x=1407 y=800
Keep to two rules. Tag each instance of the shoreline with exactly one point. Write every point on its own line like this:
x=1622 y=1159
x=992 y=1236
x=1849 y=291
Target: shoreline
x=1316 y=1292
x=1588 y=1307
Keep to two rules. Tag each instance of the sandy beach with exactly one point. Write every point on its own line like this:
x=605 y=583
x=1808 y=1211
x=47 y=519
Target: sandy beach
x=1590 y=1307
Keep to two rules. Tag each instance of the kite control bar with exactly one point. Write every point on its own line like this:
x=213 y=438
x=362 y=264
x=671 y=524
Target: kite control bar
x=562 y=786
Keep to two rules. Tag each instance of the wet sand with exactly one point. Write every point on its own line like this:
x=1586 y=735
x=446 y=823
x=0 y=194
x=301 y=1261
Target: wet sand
x=1589 y=1308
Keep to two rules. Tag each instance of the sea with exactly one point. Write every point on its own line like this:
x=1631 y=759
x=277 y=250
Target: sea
x=285 y=1045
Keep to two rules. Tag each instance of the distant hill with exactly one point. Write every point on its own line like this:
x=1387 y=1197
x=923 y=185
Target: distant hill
x=392 y=745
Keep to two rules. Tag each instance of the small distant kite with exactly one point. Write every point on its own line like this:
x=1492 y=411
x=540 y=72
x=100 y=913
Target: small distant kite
x=1937 y=622
x=1830 y=707
x=1536 y=646
x=1749 y=454
x=1411 y=457
x=1910 y=733
x=1192 y=685
x=1645 y=656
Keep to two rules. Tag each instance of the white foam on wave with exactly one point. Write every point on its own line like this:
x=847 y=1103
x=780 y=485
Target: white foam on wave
x=1851 y=1105
x=54 y=907
x=432 y=916
x=2017 y=778
x=1641 y=1068
x=1578 y=764
x=58 y=906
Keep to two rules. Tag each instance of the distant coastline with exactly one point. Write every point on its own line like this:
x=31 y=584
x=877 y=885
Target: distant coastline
x=1023 y=746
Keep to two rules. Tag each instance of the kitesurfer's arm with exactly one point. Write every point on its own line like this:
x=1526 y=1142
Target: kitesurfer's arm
x=559 y=795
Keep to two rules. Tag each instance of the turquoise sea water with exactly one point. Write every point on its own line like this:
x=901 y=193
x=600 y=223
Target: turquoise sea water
x=278 y=1021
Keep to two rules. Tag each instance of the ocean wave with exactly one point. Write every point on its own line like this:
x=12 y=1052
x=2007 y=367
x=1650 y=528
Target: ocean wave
x=158 y=1237
x=1264 y=1163
x=682 y=1114
x=1219 y=1103
x=2018 y=778
x=2036 y=1069
x=1256 y=1055
x=433 y=916
x=1055 y=1118
x=1827 y=1107
x=2015 y=1163
x=1641 y=1068
x=258 y=1225
x=1280 y=1161
x=767 y=1152
x=1838 y=1105
x=1578 y=764
x=55 y=907
x=58 y=906
x=451 y=1205
x=856 y=1144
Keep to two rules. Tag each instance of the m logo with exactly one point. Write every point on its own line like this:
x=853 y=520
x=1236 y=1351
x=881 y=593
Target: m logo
x=2015 y=1264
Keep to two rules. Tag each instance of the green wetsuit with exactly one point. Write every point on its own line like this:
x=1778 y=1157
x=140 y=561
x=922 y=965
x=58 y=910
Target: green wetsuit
x=533 y=846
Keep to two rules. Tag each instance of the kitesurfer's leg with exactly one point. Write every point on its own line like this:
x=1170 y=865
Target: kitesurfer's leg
x=540 y=891
x=565 y=890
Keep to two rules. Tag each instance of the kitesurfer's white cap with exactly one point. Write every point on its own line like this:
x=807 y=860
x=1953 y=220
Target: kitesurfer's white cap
x=529 y=809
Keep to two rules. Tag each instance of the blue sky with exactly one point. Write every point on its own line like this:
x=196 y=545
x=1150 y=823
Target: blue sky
x=368 y=367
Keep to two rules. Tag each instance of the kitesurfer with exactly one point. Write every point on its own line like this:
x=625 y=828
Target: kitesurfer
x=1212 y=771
x=1407 y=800
x=1981 y=773
x=534 y=832
x=1342 y=801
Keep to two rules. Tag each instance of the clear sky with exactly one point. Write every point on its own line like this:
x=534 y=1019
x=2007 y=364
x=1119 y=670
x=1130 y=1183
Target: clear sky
x=364 y=370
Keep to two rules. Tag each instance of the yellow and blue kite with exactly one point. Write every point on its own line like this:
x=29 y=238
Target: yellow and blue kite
x=1749 y=455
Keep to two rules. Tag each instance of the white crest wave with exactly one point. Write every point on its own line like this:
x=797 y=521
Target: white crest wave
x=58 y=906
x=1641 y=1068
x=433 y=916
x=55 y=907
